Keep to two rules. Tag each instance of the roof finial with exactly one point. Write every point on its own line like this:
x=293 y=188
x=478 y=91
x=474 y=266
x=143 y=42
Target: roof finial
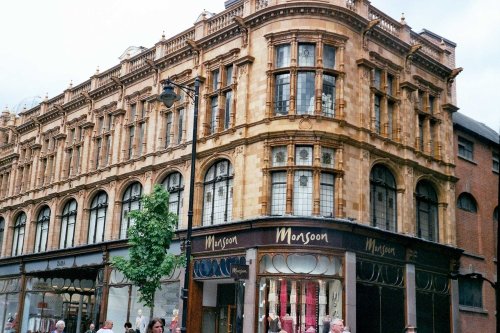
x=97 y=70
x=163 y=35
x=46 y=97
x=442 y=42
x=70 y=84
x=403 y=18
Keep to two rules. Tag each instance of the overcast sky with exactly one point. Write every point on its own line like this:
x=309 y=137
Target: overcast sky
x=46 y=44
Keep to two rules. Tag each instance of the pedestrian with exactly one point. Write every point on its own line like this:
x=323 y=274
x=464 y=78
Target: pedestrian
x=337 y=325
x=107 y=328
x=91 y=328
x=155 y=326
x=60 y=325
x=127 y=326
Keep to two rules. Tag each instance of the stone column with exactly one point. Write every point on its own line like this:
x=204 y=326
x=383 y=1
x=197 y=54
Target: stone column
x=411 y=297
x=350 y=291
x=250 y=300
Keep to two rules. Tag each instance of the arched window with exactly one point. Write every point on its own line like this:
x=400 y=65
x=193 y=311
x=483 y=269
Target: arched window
x=467 y=202
x=68 y=221
x=218 y=193
x=97 y=219
x=42 y=230
x=174 y=184
x=427 y=211
x=19 y=228
x=383 y=198
x=2 y=229
x=131 y=201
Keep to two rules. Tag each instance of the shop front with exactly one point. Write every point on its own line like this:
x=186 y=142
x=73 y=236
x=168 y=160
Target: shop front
x=303 y=275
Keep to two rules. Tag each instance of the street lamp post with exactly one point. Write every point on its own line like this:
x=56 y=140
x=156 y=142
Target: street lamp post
x=168 y=97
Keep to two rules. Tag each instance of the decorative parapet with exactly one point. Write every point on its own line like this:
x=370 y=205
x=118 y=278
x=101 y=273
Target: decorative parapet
x=223 y=19
x=78 y=90
x=386 y=23
x=105 y=77
x=140 y=60
x=430 y=49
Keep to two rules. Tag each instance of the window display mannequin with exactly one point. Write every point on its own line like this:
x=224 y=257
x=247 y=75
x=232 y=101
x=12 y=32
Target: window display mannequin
x=326 y=323
x=287 y=323
x=140 y=322
x=174 y=321
x=274 y=323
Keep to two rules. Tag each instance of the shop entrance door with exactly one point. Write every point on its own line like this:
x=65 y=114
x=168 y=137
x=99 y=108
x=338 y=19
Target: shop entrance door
x=227 y=319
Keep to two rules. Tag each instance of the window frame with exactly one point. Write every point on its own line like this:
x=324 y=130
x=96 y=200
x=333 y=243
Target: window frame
x=127 y=201
x=465 y=148
x=19 y=234
x=68 y=216
x=382 y=181
x=41 y=238
x=427 y=202
x=224 y=178
x=175 y=191
x=97 y=207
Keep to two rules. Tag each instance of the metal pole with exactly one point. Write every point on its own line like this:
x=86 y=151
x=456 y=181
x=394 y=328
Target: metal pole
x=185 y=290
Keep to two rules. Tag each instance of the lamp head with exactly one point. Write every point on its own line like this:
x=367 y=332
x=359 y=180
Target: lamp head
x=168 y=96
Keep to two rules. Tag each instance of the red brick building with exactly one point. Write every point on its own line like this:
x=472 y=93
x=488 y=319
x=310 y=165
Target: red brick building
x=477 y=165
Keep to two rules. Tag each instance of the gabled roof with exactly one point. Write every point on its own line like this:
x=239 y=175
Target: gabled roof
x=475 y=127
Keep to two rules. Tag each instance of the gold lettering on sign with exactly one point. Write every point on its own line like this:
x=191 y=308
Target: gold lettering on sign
x=211 y=243
x=378 y=249
x=286 y=235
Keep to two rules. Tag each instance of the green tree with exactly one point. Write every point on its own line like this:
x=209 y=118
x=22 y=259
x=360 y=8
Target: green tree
x=149 y=238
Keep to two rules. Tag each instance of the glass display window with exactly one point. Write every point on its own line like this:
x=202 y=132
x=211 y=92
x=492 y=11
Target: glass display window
x=299 y=292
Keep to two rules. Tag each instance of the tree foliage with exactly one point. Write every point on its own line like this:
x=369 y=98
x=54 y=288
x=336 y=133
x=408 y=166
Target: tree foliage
x=150 y=236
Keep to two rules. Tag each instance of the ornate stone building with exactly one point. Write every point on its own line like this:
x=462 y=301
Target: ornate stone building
x=325 y=166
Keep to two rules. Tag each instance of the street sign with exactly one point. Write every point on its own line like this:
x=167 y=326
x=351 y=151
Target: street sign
x=239 y=272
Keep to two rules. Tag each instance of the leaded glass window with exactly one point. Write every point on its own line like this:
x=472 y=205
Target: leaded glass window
x=328 y=96
x=305 y=93
x=68 y=221
x=174 y=184
x=218 y=193
x=282 y=94
x=19 y=229
x=42 y=230
x=282 y=55
x=427 y=211
x=328 y=56
x=97 y=219
x=303 y=155
x=280 y=156
x=302 y=193
x=382 y=198
x=307 y=54
x=278 y=193
x=131 y=201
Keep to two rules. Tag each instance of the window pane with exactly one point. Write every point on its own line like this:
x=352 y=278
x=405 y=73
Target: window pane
x=302 y=193
x=305 y=93
x=180 y=125
x=327 y=157
x=214 y=108
x=470 y=292
x=328 y=96
x=303 y=155
x=278 y=193
x=279 y=156
x=168 y=129
x=377 y=113
x=282 y=56
x=227 y=109
x=328 y=56
x=306 y=54
x=282 y=94
x=327 y=191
